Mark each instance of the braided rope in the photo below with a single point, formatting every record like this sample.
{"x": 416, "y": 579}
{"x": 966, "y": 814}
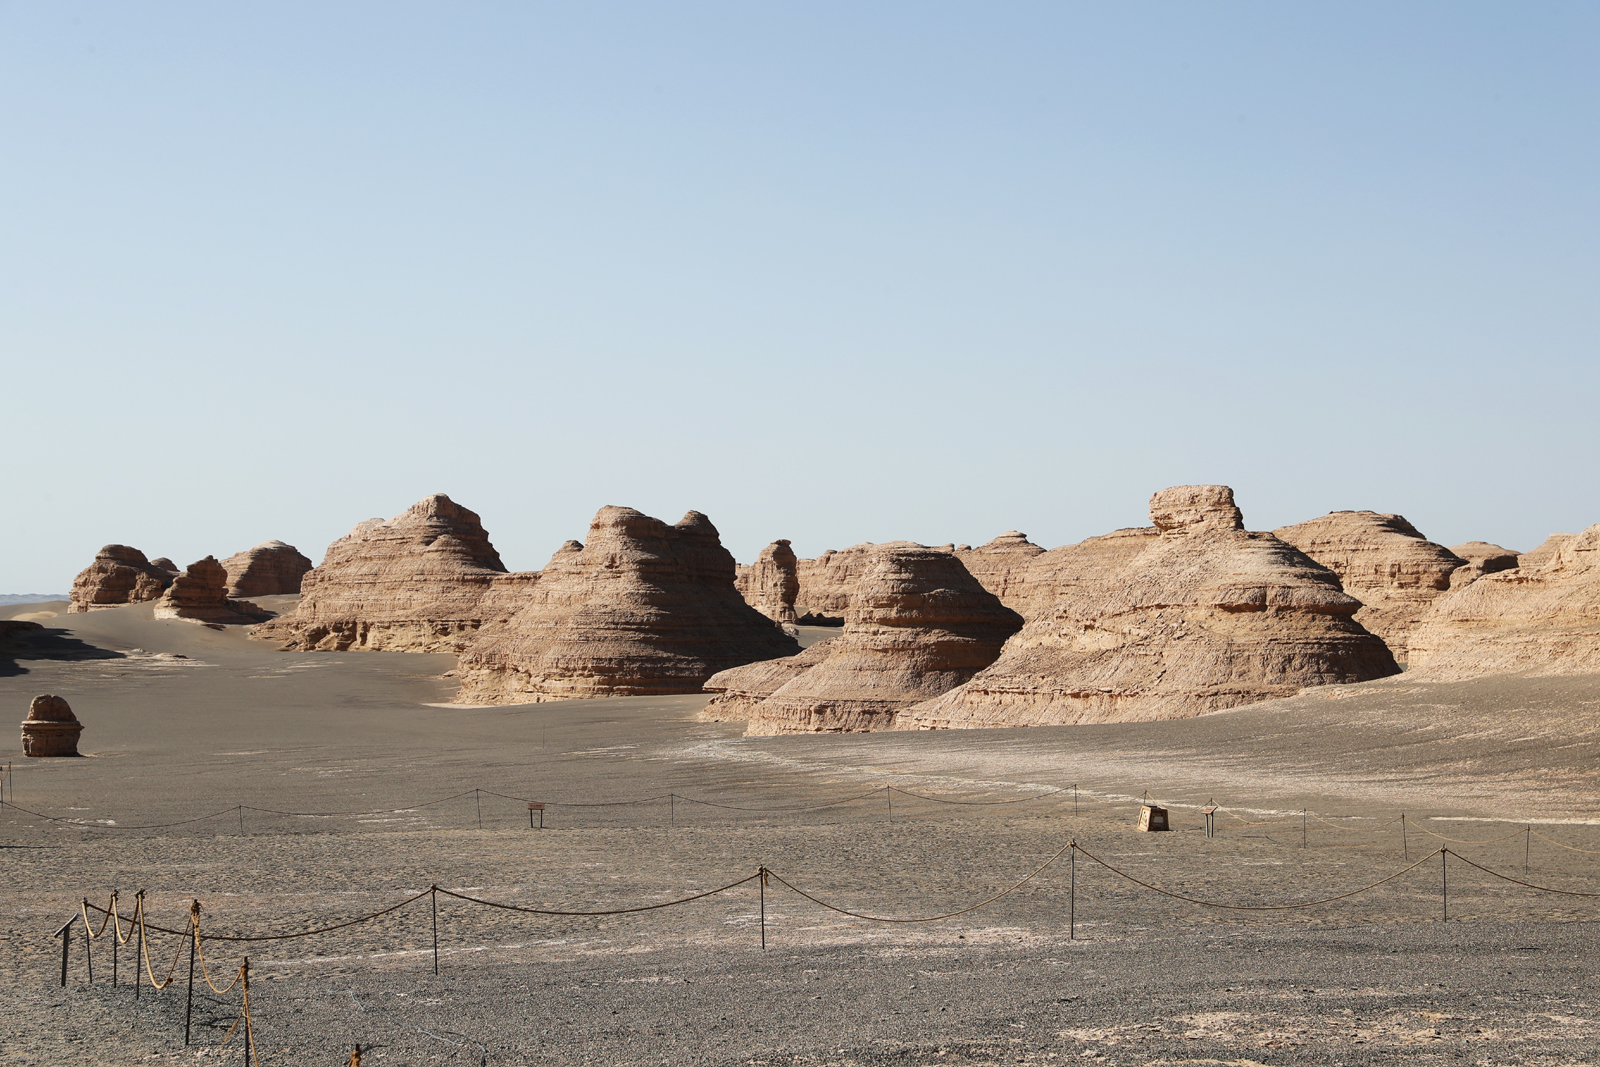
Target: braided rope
{"x": 1518, "y": 881}
{"x": 144, "y": 949}
{"x": 1463, "y": 841}
{"x": 199, "y": 946}
{"x": 1558, "y": 844}
{"x": 612, "y": 911}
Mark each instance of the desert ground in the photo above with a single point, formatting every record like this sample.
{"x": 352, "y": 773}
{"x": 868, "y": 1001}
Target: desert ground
{"x": 215, "y": 767}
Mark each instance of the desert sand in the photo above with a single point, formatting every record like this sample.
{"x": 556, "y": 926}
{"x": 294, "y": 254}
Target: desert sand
{"x": 183, "y": 721}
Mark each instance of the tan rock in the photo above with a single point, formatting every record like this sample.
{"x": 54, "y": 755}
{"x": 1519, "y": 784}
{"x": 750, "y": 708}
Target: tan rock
{"x": 1545, "y": 553}
{"x": 1205, "y": 617}
{"x": 1382, "y": 561}
{"x": 1002, "y": 566}
{"x": 50, "y": 728}
{"x": 200, "y": 594}
{"x": 826, "y": 583}
{"x": 1542, "y": 621}
{"x": 119, "y": 575}
{"x": 919, "y": 624}
{"x": 1485, "y": 558}
{"x": 271, "y": 568}
{"x": 643, "y": 608}
{"x": 771, "y": 583}
{"x": 423, "y": 581}
{"x": 1063, "y": 572}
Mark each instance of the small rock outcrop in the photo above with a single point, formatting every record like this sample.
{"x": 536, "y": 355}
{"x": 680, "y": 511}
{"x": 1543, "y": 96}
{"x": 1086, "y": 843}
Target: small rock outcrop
{"x": 50, "y": 728}
{"x": 1207, "y": 616}
{"x": 423, "y": 581}
{"x": 827, "y": 582}
{"x": 1002, "y": 566}
{"x": 1485, "y": 558}
{"x": 919, "y": 624}
{"x": 200, "y": 594}
{"x": 1541, "y": 621}
{"x": 771, "y": 583}
{"x": 119, "y": 575}
{"x": 1382, "y": 561}
{"x": 271, "y": 568}
{"x": 641, "y": 609}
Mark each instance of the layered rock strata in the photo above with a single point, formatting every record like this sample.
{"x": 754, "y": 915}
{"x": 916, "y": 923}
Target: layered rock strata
{"x": 1382, "y": 561}
{"x": 1061, "y": 572}
{"x": 1002, "y": 566}
{"x": 51, "y": 729}
{"x": 642, "y": 608}
{"x": 771, "y": 583}
{"x": 1543, "y": 620}
{"x": 919, "y": 624}
{"x": 119, "y": 575}
{"x": 1206, "y": 617}
{"x": 423, "y": 581}
{"x": 1485, "y": 558}
{"x": 1546, "y": 552}
{"x": 271, "y": 568}
{"x": 200, "y": 594}
{"x": 827, "y": 582}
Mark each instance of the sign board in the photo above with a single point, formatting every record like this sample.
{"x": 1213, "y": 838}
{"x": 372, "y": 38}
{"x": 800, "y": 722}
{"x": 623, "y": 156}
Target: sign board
{"x": 1152, "y": 817}
{"x": 534, "y": 805}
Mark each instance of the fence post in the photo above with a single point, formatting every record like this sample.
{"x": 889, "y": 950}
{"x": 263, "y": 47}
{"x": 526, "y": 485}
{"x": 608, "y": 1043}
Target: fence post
{"x": 672, "y": 810}
{"x": 763, "y": 883}
{"x": 139, "y": 953}
{"x": 194, "y": 939}
{"x": 65, "y": 934}
{"x": 888, "y": 799}
{"x": 116, "y": 932}
{"x": 1072, "y": 897}
{"x": 249, "y": 1037}
{"x": 88, "y": 943}
{"x": 1527, "y": 848}
{"x": 1405, "y": 844}
{"x": 434, "y": 891}
{"x": 1302, "y": 827}
{"x": 1444, "y": 882}
{"x": 241, "y": 820}
{"x": 478, "y": 796}
{"x": 1074, "y": 800}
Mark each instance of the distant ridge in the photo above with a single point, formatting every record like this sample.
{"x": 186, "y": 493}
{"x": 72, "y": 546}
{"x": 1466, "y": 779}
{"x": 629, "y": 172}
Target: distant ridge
{"x": 30, "y": 598}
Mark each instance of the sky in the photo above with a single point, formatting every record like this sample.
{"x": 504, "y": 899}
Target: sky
{"x": 832, "y": 272}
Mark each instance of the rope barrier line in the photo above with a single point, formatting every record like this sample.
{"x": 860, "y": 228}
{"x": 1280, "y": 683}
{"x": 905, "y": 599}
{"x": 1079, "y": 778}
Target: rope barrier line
{"x": 299, "y": 933}
{"x": 611, "y": 911}
{"x": 779, "y": 811}
{"x": 1463, "y": 841}
{"x": 117, "y": 826}
{"x": 353, "y": 814}
{"x": 1364, "y": 829}
{"x": 1256, "y": 907}
{"x": 144, "y": 949}
{"x": 939, "y": 800}
{"x": 929, "y": 918}
{"x": 1558, "y": 844}
{"x": 1518, "y": 881}
{"x": 199, "y": 946}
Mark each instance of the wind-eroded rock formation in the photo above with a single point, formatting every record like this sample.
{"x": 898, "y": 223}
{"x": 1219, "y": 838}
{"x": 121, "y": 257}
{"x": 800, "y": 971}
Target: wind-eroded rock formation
{"x": 827, "y": 582}
{"x": 50, "y": 728}
{"x": 771, "y": 583}
{"x": 423, "y": 581}
{"x": 1207, "y": 616}
{"x": 1539, "y": 557}
{"x": 271, "y": 568}
{"x": 1542, "y": 620}
{"x": 119, "y": 575}
{"x": 918, "y": 624}
{"x": 1485, "y": 558}
{"x": 1383, "y": 562}
{"x": 643, "y": 608}
{"x": 200, "y": 594}
{"x": 1002, "y": 566}
{"x": 1061, "y": 572}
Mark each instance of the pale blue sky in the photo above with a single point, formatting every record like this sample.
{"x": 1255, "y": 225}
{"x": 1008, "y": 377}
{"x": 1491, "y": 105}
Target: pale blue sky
{"x": 831, "y": 272}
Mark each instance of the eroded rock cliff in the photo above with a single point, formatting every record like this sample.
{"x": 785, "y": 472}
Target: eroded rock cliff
{"x": 119, "y": 575}
{"x": 271, "y": 568}
{"x": 771, "y": 583}
{"x": 200, "y": 594}
{"x": 1002, "y": 566}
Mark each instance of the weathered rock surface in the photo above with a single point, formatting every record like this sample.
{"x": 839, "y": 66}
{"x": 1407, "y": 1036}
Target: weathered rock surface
{"x": 771, "y": 583}
{"x": 1486, "y": 558}
{"x": 1382, "y": 561}
{"x": 1541, "y": 556}
{"x": 1061, "y": 572}
{"x": 271, "y": 568}
{"x": 827, "y": 582}
{"x": 119, "y": 575}
{"x": 1207, "y": 616}
{"x": 1002, "y": 566}
{"x": 50, "y": 728}
{"x": 643, "y": 608}
{"x": 423, "y": 581}
{"x": 919, "y": 624}
{"x": 1543, "y": 620}
{"x": 200, "y": 594}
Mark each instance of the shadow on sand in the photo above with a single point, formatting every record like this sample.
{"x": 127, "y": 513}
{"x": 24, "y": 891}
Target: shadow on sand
{"x": 30, "y": 640}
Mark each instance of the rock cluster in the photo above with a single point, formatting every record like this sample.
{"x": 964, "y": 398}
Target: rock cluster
{"x": 1207, "y": 616}
{"x": 1542, "y": 620}
{"x": 642, "y": 608}
{"x": 1002, "y": 566}
{"x": 918, "y": 625}
{"x": 271, "y": 568}
{"x": 826, "y": 583}
{"x": 1382, "y": 561}
{"x": 50, "y": 728}
{"x": 771, "y": 583}
{"x": 423, "y": 581}
{"x": 119, "y": 575}
{"x": 200, "y": 594}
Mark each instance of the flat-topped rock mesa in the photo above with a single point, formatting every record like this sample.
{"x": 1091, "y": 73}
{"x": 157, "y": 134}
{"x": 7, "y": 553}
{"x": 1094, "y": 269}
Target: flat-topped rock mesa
{"x": 919, "y": 624}
{"x": 119, "y": 575}
{"x": 423, "y": 581}
{"x": 1382, "y": 561}
{"x": 1002, "y": 566}
{"x": 1484, "y": 558}
{"x": 1546, "y": 552}
{"x": 200, "y": 594}
{"x": 827, "y": 582}
{"x": 271, "y": 568}
{"x": 641, "y": 609}
{"x": 1540, "y": 621}
{"x": 1206, "y": 617}
{"x": 771, "y": 583}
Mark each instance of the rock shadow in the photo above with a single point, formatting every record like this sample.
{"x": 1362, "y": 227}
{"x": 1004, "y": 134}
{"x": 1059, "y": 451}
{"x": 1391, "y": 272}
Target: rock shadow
{"x": 30, "y": 640}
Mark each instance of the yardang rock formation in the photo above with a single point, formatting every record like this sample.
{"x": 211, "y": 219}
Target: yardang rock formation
{"x": 1002, "y": 566}
{"x": 1382, "y": 561}
{"x": 1543, "y": 620}
{"x": 827, "y": 582}
{"x": 423, "y": 581}
{"x": 271, "y": 568}
{"x": 200, "y": 594}
{"x": 642, "y": 608}
{"x": 919, "y": 624}
{"x": 1206, "y": 617}
{"x": 771, "y": 583}
{"x": 119, "y": 575}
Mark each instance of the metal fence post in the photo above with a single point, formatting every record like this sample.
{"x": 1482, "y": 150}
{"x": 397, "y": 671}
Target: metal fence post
{"x": 434, "y": 891}
{"x": 65, "y": 934}
{"x": 194, "y": 939}
{"x": 1072, "y": 897}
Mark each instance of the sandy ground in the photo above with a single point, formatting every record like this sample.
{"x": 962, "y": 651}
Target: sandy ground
{"x": 184, "y": 722}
